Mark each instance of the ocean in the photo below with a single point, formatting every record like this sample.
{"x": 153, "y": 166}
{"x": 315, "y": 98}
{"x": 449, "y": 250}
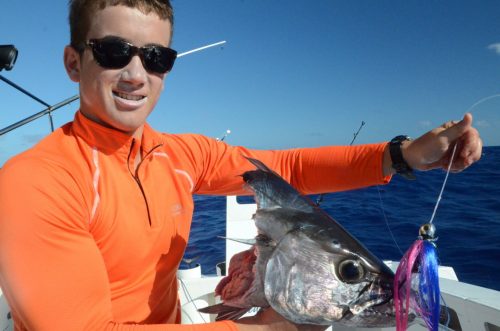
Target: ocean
{"x": 467, "y": 220}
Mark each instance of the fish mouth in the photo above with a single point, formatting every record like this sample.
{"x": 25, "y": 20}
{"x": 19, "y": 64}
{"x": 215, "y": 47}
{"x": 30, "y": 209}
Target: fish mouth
{"x": 381, "y": 314}
{"x": 378, "y": 306}
{"x": 374, "y": 307}
{"x": 375, "y": 314}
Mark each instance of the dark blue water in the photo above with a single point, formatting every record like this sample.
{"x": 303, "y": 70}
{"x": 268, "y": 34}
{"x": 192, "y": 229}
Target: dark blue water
{"x": 467, "y": 221}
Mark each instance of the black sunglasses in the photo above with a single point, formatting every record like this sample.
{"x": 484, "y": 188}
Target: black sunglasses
{"x": 115, "y": 53}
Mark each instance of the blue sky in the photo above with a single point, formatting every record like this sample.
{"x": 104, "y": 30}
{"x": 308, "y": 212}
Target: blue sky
{"x": 292, "y": 74}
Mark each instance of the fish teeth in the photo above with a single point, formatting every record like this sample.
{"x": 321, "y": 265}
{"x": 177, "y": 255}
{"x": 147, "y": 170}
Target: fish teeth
{"x": 372, "y": 312}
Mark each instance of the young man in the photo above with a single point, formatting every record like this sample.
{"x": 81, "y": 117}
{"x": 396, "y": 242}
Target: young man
{"x": 94, "y": 219}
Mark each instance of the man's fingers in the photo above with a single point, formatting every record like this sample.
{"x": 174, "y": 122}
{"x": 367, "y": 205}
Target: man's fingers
{"x": 468, "y": 151}
{"x": 454, "y": 130}
{"x": 473, "y": 144}
{"x": 471, "y": 147}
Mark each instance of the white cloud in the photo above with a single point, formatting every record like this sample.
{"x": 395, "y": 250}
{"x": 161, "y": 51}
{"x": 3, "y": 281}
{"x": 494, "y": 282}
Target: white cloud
{"x": 482, "y": 123}
{"x": 425, "y": 124}
{"x": 495, "y": 47}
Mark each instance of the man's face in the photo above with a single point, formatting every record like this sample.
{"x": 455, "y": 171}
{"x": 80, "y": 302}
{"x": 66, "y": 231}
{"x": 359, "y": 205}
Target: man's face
{"x": 122, "y": 98}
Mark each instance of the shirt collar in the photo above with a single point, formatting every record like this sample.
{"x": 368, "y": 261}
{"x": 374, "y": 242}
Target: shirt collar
{"x": 110, "y": 140}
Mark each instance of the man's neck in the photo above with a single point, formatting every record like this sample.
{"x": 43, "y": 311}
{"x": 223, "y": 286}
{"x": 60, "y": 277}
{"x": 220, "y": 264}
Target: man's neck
{"x": 136, "y": 134}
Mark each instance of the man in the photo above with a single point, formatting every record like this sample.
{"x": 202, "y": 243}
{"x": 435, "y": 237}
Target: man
{"x": 94, "y": 219}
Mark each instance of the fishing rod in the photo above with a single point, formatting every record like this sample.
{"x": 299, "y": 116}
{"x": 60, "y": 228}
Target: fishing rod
{"x": 201, "y": 48}
{"x": 319, "y": 200}
{"x": 357, "y": 132}
{"x": 228, "y": 132}
{"x": 9, "y": 63}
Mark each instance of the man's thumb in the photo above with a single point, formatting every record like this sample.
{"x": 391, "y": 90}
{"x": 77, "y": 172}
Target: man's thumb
{"x": 457, "y": 130}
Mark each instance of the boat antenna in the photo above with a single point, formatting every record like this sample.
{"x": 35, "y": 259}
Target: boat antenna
{"x": 8, "y": 56}
{"x": 319, "y": 200}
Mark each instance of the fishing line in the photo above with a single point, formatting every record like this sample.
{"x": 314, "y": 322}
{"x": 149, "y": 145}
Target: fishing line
{"x": 190, "y": 299}
{"x": 387, "y": 221}
{"x": 444, "y": 183}
{"x": 481, "y": 101}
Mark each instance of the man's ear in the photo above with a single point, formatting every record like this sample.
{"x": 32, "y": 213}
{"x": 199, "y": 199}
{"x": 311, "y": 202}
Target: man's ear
{"x": 72, "y": 63}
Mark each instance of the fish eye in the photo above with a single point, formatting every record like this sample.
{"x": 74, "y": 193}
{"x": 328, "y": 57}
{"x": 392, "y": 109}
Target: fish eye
{"x": 351, "y": 271}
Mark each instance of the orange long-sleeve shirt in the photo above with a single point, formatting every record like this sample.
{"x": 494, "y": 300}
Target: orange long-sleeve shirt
{"x": 87, "y": 243}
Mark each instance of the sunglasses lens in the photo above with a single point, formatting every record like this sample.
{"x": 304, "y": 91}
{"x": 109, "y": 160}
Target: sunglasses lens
{"x": 113, "y": 54}
{"x": 159, "y": 59}
{"x": 116, "y": 54}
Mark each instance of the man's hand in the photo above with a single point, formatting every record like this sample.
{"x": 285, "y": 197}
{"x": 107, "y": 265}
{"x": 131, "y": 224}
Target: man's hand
{"x": 269, "y": 320}
{"x": 434, "y": 149}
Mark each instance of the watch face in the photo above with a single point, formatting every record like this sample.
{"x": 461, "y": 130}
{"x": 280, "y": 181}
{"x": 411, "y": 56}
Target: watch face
{"x": 399, "y": 139}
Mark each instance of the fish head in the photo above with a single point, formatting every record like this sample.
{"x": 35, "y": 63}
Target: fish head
{"x": 317, "y": 273}
{"x": 313, "y": 270}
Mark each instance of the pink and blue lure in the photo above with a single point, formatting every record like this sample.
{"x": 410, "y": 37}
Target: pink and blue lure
{"x": 416, "y": 283}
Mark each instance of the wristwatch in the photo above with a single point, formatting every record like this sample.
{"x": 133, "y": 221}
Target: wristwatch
{"x": 398, "y": 162}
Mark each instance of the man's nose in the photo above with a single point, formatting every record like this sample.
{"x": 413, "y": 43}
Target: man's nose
{"x": 135, "y": 72}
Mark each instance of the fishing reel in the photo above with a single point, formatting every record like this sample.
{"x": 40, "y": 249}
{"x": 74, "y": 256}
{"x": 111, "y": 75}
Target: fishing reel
{"x": 8, "y": 57}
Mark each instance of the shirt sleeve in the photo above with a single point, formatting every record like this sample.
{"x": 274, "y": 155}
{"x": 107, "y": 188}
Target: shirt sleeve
{"x": 217, "y": 167}
{"x": 51, "y": 271}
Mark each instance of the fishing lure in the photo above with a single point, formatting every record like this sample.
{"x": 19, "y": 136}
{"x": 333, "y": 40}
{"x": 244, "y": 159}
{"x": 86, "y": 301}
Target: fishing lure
{"x": 416, "y": 283}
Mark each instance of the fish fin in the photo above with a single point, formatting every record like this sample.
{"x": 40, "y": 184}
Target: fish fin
{"x": 224, "y": 312}
{"x": 214, "y": 309}
{"x": 272, "y": 191}
{"x": 241, "y": 241}
{"x": 260, "y": 165}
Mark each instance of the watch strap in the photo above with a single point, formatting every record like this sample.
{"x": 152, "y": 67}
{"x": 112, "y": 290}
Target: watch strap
{"x": 398, "y": 162}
